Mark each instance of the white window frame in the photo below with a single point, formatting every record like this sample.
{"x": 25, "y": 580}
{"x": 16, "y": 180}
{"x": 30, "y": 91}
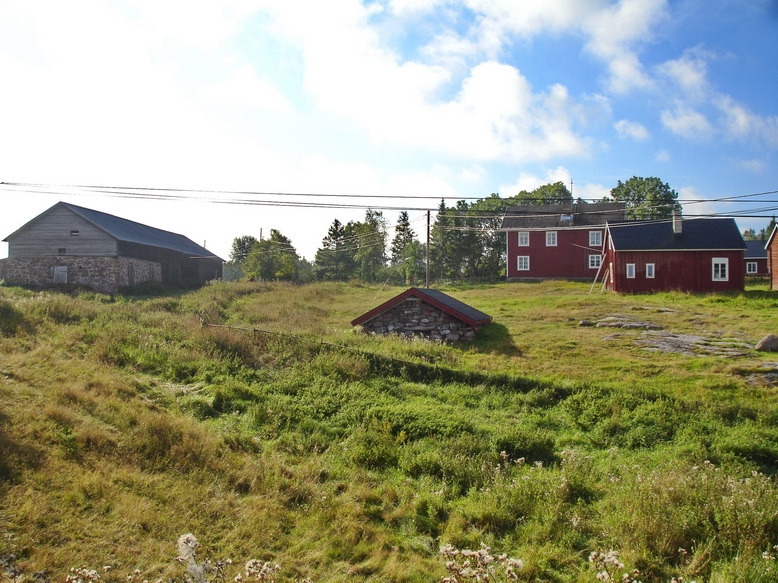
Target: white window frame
{"x": 595, "y": 261}
{"x": 595, "y": 238}
{"x": 551, "y": 238}
{"x": 522, "y": 263}
{"x": 717, "y": 263}
{"x": 630, "y": 273}
{"x": 751, "y": 268}
{"x": 650, "y": 270}
{"x": 523, "y": 238}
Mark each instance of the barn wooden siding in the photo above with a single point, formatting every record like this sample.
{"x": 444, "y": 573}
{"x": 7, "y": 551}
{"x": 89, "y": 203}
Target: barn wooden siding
{"x": 61, "y": 229}
{"x": 772, "y": 258}
{"x": 674, "y": 270}
{"x": 569, "y": 259}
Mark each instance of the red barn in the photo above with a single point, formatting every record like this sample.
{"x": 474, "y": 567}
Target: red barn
{"x": 696, "y": 255}
{"x": 561, "y": 241}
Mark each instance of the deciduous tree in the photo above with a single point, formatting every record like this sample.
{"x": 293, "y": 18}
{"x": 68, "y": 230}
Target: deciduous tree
{"x": 646, "y": 198}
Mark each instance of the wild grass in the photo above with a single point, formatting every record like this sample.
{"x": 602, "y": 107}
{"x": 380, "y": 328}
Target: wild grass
{"x": 124, "y": 423}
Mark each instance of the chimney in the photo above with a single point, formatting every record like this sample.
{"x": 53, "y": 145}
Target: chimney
{"x": 677, "y": 223}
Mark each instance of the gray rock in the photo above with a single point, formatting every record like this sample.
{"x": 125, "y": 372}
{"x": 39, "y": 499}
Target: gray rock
{"x": 768, "y": 344}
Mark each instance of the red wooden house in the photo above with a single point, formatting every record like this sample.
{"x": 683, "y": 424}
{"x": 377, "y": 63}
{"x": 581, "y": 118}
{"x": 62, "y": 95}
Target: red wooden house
{"x": 557, "y": 241}
{"x": 772, "y": 258}
{"x": 756, "y": 259}
{"x": 697, "y": 255}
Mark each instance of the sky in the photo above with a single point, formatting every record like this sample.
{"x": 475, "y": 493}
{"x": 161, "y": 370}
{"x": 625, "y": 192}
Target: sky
{"x": 244, "y": 109}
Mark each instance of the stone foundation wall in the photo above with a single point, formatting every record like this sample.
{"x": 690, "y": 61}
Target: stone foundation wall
{"x": 414, "y": 317}
{"x": 103, "y": 274}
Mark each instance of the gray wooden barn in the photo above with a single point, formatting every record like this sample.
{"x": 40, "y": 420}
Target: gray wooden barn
{"x": 69, "y": 244}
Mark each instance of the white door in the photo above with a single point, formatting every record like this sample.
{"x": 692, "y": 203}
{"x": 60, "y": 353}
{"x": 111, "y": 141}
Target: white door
{"x": 60, "y": 274}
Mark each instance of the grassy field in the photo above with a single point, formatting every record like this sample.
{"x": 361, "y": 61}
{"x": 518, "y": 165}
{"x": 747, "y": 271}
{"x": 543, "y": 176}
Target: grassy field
{"x": 578, "y": 422}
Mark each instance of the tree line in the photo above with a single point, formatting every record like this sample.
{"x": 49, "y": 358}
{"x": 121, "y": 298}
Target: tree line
{"x": 465, "y": 241}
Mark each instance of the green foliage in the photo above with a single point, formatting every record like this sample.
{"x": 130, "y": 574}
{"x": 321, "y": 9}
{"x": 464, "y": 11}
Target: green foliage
{"x": 556, "y": 193}
{"x": 646, "y": 198}
{"x": 274, "y": 258}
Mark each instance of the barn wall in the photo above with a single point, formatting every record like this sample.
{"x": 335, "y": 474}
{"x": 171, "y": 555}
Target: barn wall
{"x": 103, "y": 274}
{"x": 772, "y": 262}
{"x": 674, "y": 270}
{"x": 60, "y": 232}
{"x": 177, "y": 268}
{"x": 569, "y": 259}
{"x": 414, "y": 317}
{"x": 761, "y": 266}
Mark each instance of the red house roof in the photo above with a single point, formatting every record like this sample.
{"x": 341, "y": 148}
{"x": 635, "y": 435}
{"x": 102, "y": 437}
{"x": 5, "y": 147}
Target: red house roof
{"x": 437, "y": 298}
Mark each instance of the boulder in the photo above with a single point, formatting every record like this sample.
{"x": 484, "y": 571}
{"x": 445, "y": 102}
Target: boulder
{"x": 768, "y": 344}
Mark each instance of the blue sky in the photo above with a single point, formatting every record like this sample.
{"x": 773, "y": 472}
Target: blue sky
{"x": 389, "y": 98}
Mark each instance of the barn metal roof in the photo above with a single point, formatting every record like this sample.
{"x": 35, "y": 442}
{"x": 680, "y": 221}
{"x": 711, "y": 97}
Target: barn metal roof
{"x": 696, "y": 235}
{"x": 554, "y": 216}
{"x": 132, "y": 232}
{"x": 437, "y": 298}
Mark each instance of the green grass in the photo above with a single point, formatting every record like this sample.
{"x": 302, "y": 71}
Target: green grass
{"x": 124, "y": 424}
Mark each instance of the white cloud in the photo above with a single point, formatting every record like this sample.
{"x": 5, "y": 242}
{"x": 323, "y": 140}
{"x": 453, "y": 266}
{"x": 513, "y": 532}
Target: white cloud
{"x": 243, "y": 88}
{"x": 689, "y": 72}
{"x": 632, "y": 130}
{"x": 695, "y": 203}
{"x": 591, "y": 191}
{"x": 495, "y": 115}
{"x": 740, "y": 123}
{"x": 663, "y": 156}
{"x": 613, "y": 32}
{"x": 753, "y": 166}
{"x": 529, "y": 182}
{"x": 687, "y": 122}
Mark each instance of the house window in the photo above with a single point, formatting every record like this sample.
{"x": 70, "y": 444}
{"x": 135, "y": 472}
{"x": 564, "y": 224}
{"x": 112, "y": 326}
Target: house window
{"x": 550, "y": 238}
{"x": 630, "y": 271}
{"x": 522, "y": 263}
{"x": 650, "y": 270}
{"x": 720, "y": 269}
{"x": 595, "y": 238}
{"x": 61, "y": 251}
{"x": 523, "y": 238}
{"x": 595, "y": 261}
{"x": 74, "y": 233}
{"x": 751, "y": 267}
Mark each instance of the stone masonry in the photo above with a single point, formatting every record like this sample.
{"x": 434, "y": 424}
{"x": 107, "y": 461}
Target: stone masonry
{"x": 103, "y": 274}
{"x": 414, "y": 317}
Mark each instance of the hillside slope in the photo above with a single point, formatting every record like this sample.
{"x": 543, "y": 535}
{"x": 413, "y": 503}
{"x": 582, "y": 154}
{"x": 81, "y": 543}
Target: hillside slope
{"x": 124, "y": 424}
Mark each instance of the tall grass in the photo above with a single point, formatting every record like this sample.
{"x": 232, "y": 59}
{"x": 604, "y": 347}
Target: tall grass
{"x": 123, "y": 424}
